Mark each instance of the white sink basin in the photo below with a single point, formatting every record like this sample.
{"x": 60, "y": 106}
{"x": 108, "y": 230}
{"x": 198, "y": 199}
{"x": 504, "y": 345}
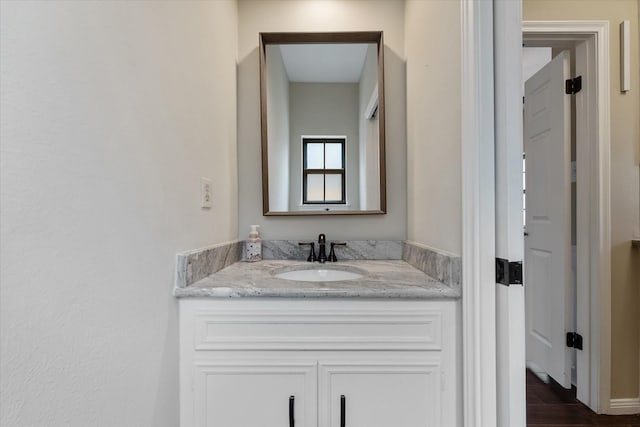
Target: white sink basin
{"x": 318, "y": 275}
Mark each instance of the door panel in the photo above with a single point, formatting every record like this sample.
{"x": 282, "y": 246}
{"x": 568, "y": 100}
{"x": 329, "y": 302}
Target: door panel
{"x": 547, "y": 129}
{"x": 539, "y": 265}
{"x": 381, "y": 394}
{"x": 255, "y": 394}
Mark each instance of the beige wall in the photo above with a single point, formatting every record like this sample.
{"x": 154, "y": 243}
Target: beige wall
{"x": 110, "y": 114}
{"x": 433, "y": 124}
{"x": 323, "y": 109}
{"x": 625, "y": 181}
{"x": 346, "y": 15}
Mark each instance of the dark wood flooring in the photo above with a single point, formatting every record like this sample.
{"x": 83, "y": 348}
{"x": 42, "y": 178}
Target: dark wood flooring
{"x": 550, "y": 405}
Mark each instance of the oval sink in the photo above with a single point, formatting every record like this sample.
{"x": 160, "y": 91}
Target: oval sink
{"x": 318, "y": 275}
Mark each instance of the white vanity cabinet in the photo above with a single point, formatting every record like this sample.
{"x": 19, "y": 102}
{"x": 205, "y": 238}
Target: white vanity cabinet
{"x": 380, "y": 394}
{"x": 323, "y": 362}
{"x": 255, "y": 392}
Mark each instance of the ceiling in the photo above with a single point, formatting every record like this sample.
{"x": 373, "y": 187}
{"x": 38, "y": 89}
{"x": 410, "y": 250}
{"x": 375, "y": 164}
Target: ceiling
{"x": 324, "y": 63}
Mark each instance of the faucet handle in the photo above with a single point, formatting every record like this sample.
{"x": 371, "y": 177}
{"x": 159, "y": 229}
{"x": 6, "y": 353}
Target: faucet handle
{"x": 332, "y": 252}
{"x": 312, "y": 253}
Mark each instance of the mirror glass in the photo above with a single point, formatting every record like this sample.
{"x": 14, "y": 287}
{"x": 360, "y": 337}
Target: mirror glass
{"x": 322, "y": 105}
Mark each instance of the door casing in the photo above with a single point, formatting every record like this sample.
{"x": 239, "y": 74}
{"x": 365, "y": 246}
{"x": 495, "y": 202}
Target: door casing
{"x": 479, "y": 403}
{"x": 479, "y": 329}
{"x": 593, "y": 266}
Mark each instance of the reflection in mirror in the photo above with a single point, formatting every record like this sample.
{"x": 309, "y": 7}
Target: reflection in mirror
{"x": 322, "y": 103}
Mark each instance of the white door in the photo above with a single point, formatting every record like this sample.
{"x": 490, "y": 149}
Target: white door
{"x": 255, "y": 394}
{"x": 381, "y": 394}
{"x": 547, "y": 131}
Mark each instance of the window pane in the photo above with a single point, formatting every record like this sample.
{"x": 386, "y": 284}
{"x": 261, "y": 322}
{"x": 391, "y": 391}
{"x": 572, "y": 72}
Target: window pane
{"x": 334, "y": 186}
{"x": 315, "y": 188}
{"x": 315, "y": 156}
{"x": 333, "y": 156}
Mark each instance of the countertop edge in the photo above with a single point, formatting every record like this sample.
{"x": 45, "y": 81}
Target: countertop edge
{"x": 302, "y": 294}
{"x": 378, "y": 287}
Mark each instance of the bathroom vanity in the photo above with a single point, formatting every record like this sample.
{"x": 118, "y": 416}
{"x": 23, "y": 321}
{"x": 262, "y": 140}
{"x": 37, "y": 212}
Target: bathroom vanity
{"x": 370, "y": 341}
{"x": 381, "y": 350}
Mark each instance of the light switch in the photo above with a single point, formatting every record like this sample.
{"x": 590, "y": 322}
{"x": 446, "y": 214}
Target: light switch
{"x": 206, "y": 192}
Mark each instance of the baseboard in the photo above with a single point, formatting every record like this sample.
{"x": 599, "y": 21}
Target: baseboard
{"x": 624, "y": 406}
{"x": 538, "y": 372}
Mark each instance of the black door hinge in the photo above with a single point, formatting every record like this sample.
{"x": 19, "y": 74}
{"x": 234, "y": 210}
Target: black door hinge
{"x": 574, "y": 340}
{"x": 573, "y": 86}
{"x": 508, "y": 273}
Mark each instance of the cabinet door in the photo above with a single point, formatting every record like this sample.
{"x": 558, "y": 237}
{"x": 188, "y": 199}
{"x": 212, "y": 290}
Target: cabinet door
{"x": 255, "y": 394}
{"x": 380, "y": 394}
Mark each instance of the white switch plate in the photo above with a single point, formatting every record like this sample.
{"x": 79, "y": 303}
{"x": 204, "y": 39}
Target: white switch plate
{"x": 206, "y": 192}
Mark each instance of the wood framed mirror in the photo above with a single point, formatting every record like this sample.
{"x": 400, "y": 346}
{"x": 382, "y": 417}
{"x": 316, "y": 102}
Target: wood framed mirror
{"x": 323, "y": 123}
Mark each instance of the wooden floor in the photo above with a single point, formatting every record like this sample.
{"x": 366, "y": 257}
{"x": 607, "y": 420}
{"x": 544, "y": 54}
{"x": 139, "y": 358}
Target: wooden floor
{"x": 550, "y": 405}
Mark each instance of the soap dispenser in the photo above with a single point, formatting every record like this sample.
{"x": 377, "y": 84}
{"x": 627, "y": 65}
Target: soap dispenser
{"x": 253, "y": 248}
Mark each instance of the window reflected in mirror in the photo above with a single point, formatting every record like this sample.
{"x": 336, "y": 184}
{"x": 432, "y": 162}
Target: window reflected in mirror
{"x": 323, "y": 171}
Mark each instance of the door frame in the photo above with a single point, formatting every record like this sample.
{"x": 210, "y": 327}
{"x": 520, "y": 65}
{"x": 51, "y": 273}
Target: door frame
{"x": 478, "y": 215}
{"x": 478, "y": 198}
{"x": 593, "y": 264}
{"x": 510, "y": 309}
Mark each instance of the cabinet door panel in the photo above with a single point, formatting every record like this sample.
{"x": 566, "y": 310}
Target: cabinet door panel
{"x": 382, "y": 394}
{"x": 254, "y": 394}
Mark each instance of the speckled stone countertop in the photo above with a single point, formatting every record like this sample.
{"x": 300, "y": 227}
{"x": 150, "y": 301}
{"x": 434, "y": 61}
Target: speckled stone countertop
{"x": 381, "y": 279}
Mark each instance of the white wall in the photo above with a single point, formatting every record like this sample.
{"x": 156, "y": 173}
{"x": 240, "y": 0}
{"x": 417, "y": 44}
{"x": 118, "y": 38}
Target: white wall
{"x": 278, "y": 129}
{"x": 433, "y": 124}
{"x": 110, "y": 113}
{"x": 346, "y": 15}
{"x": 324, "y": 109}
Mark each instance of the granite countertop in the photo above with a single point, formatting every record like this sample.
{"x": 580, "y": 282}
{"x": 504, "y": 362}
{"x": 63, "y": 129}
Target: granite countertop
{"x": 381, "y": 279}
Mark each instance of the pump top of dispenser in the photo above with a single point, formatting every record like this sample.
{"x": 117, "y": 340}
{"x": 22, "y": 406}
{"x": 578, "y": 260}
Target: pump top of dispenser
{"x": 254, "y": 234}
